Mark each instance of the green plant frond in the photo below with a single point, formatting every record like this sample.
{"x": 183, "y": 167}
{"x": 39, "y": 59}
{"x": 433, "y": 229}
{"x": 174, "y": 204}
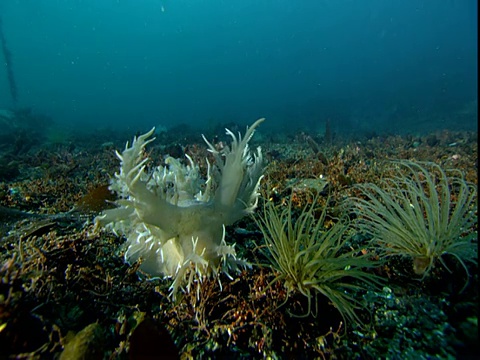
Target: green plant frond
{"x": 422, "y": 211}
{"x": 311, "y": 259}
{"x": 463, "y": 250}
{"x": 333, "y": 276}
{"x": 463, "y": 215}
{"x": 386, "y": 226}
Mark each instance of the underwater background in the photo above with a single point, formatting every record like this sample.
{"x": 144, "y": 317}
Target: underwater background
{"x": 389, "y": 66}
{"x": 330, "y": 210}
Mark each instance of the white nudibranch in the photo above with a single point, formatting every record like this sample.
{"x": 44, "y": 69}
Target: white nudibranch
{"x": 171, "y": 222}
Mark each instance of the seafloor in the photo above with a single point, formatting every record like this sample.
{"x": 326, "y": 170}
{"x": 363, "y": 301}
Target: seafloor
{"x": 66, "y": 291}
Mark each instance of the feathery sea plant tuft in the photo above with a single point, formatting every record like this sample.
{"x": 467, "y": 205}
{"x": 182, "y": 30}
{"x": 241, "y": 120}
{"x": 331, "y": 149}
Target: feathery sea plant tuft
{"x": 310, "y": 259}
{"x": 424, "y": 213}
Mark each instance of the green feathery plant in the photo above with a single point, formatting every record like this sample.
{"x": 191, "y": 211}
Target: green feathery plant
{"x": 421, "y": 213}
{"x": 310, "y": 259}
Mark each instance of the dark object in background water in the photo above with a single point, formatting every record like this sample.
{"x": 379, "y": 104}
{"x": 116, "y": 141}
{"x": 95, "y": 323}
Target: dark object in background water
{"x": 313, "y": 144}
{"x": 316, "y": 149}
{"x": 8, "y": 65}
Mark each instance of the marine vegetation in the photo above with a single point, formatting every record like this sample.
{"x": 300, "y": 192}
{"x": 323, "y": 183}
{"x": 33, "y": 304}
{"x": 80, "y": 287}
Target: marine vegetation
{"x": 424, "y": 213}
{"x": 173, "y": 220}
{"x": 311, "y": 259}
